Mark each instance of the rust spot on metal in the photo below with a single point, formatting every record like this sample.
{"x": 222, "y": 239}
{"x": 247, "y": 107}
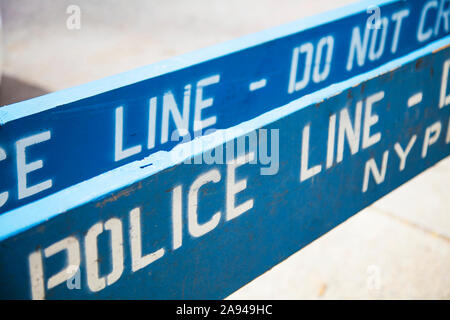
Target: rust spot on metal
{"x": 123, "y": 193}
{"x": 419, "y": 62}
{"x": 170, "y": 169}
{"x": 442, "y": 48}
{"x": 41, "y": 229}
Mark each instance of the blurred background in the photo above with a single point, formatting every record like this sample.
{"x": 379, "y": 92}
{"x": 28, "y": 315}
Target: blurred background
{"x": 397, "y": 248}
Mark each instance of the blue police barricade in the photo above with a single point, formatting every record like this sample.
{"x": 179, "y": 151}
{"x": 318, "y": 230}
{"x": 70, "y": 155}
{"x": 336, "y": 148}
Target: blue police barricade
{"x": 207, "y": 217}
{"x": 61, "y": 139}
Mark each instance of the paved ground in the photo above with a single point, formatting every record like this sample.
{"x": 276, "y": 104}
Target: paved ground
{"x": 397, "y": 248}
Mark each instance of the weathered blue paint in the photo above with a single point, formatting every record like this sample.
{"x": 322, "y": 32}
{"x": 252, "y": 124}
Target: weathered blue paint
{"x": 286, "y": 213}
{"x": 79, "y": 124}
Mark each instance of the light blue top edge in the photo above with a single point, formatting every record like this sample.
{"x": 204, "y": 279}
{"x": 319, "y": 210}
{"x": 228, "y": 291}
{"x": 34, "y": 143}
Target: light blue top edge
{"x": 26, "y": 108}
{"x": 32, "y": 214}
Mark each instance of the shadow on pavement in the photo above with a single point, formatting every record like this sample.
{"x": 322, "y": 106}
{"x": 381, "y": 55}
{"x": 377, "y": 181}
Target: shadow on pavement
{"x": 13, "y": 90}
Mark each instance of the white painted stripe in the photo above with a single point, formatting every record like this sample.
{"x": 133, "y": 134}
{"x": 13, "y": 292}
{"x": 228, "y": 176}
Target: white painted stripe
{"x": 258, "y": 84}
{"x": 415, "y": 99}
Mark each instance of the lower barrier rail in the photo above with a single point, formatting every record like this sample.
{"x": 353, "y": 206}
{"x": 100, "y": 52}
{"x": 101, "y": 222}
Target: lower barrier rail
{"x": 207, "y": 217}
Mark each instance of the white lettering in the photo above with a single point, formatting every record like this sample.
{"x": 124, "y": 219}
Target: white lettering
{"x": 442, "y": 15}
{"x": 96, "y": 283}
{"x": 119, "y": 153}
{"x": 317, "y": 75}
{"x": 330, "y": 142}
{"x": 307, "y": 48}
{"x": 234, "y": 187}
{"x": 170, "y": 107}
{"x": 201, "y": 104}
{"x": 371, "y": 166}
{"x": 305, "y": 172}
{"x": 376, "y": 54}
{"x": 196, "y": 229}
{"x": 359, "y": 47}
{"x": 404, "y": 154}
{"x": 23, "y": 168}
{"x": 137, "y": 260}
{"x": 152, "y": 123}
{"x": 4, "y": 195}
{"x": 421, "y": 34}
{"x": 431, "y": 135}
{"x": 398, "y": 19}
{"x": 351, "y": 132}
{"x": 371, "y": 119}
{"x": 444, "y": 99}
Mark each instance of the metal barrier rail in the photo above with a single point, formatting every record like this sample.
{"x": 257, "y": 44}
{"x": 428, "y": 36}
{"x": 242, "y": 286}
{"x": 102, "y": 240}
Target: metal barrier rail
{"x": 211, "y": 214}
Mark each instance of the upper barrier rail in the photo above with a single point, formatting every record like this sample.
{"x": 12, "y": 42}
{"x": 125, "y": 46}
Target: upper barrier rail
{"x": 61, "y": 139}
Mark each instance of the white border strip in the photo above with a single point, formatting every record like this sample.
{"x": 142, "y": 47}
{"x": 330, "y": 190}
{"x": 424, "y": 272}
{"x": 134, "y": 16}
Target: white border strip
{"x": 49, "y": 101}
